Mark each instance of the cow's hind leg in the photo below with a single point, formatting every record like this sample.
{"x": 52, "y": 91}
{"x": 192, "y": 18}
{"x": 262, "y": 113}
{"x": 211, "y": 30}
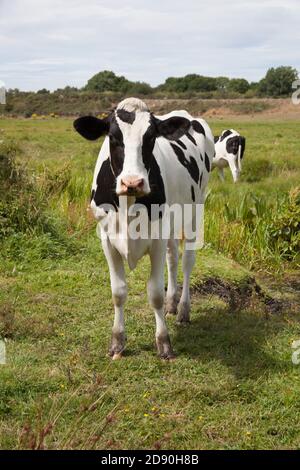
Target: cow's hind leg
{"x": 184, "y": 306}
{"x": 156, "y": 298}
{"x": 119, "y": 294}
{"x": 172, "y": 263}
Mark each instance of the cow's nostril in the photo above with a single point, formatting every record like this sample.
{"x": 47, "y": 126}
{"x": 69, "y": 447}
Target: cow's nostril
{"x": 132, "y": 183}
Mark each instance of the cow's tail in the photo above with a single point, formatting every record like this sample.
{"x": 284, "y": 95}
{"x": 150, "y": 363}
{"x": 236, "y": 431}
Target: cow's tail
{"x": 239, "y": 155}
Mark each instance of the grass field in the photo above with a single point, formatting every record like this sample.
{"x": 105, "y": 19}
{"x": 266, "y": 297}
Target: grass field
{"x": 233, "y": 384}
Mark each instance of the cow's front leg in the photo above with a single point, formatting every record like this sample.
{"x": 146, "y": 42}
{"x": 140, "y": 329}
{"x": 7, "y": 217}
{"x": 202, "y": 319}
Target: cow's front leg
{"x": 156, "y": 298}
{"x": 119, "y": 294}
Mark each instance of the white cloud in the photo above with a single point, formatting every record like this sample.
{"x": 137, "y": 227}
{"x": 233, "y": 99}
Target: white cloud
{"x": 52, "y": 43}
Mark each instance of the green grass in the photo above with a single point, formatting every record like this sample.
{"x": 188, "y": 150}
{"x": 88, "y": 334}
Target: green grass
{"x": 233, "y": 384}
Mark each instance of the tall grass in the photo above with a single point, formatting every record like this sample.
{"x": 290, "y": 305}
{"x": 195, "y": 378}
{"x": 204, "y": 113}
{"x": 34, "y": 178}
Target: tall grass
{"x": 255, "y": 230}
{"x": 29, "y": 229}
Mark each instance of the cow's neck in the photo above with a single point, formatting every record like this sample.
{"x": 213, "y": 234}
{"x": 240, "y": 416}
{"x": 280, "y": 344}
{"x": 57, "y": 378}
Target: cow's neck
{"x": 130, "y": 249}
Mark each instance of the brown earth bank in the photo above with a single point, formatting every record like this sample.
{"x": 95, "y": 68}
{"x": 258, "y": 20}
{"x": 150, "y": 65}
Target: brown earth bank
{"x": 266, "y": 108}
{"x": 228, "y": 108}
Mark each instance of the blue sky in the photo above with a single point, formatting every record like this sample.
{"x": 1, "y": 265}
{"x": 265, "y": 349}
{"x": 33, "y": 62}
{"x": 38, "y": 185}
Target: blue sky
{"x": 54, "y": 43}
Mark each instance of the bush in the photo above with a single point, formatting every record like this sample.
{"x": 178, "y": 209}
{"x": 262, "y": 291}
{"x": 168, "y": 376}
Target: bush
{"x": 250, "y": 107}
{"x": 285, "y": 229}
{"x": 24, "y": 212}
{"x": 258, "y": 170}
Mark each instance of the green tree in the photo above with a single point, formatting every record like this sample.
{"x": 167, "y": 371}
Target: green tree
{"x": 191, "y": 82}
{"x": 43, "y": 91}
{"x": 278, "y": 81}
{"x": 240, "y": 85}
{"x": 140, "y": 88}
{"x": 222, "y": 83}
{"x": 107, "y": 81}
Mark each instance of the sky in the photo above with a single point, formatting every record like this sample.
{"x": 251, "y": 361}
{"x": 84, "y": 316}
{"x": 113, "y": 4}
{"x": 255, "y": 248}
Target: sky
{"x": 54, "y": 43}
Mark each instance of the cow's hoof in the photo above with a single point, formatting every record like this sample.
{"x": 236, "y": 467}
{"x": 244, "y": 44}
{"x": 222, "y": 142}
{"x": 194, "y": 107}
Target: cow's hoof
{"x": 117, "y": 356}
{"x": 164, "y": 348}
{"x": 183, "y": 315}
{"x": 171, "y": 306}
{"x": 169, "y": 357}
{"x": 117, "y": 346}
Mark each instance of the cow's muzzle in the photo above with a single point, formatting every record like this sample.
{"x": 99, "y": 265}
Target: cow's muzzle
{"x": 132, "y": 186}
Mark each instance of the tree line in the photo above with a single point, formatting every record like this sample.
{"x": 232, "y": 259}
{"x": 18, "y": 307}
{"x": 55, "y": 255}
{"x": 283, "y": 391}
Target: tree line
{"x": 277, "y": 82}
{"x": 106, "y": 88}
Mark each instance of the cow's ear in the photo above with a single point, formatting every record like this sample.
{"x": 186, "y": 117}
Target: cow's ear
{"x": 172, "y": 128}
{"x": 90, "y": 127}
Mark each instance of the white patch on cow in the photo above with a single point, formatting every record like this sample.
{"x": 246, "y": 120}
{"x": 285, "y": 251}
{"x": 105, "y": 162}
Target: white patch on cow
{"x": 133, "y": 139}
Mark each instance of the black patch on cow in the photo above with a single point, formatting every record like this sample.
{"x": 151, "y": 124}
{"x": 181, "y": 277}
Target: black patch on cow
{"x": 148, "y": 144}
{"x": 172, "y": 128}
{"x": 90, "y": 127}
{"x": 226, "y": 134}
{"x": 216, "y": 138}
{"x": 197, "y": 126}
{"x": 232, "y": 145}
{"x": 157, "y": 188}
{"x": 116, "y": 147}
{"x": 194, "y": 169}
{"x": 92, "y": 194}
{"x": 182, "y": 145}
{"x": 191, "y": 138}
{"x": 200, "y": 182}
{"x": 207, "y": 163}
{"x": 191, "y": 165}
{"x": 126, "y": 116}
{"x": 106, "y": 186}
{"x": 193, "y": 193}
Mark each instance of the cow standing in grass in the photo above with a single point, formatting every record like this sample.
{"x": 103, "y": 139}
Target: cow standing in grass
{"x": 230, "y": 148}
{"x": 151, "y": 161}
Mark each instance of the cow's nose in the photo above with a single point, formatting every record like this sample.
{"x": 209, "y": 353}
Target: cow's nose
{"x": 132, "y": 183}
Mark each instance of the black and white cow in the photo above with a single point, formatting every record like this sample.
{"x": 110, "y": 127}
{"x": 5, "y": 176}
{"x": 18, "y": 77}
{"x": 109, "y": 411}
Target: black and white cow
{"x": 229, "y": 147}
{"x": 148, "y": 160}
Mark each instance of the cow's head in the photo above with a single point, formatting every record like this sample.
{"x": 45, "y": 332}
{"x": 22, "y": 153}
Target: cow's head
{"x": 132, "y": 131}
